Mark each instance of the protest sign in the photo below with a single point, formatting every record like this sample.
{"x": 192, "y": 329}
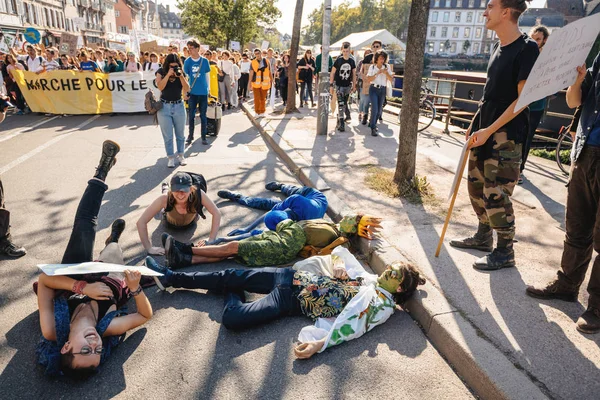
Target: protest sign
{"x": 235, "y": 46}
{"x": 74, "y": 92}
{"x": 148, "y": 46}
{"x": 556, "y": 67}
{"x": 6, "y": 43}
{"x": 68, "y": 44}
{"x": 119, "y": 46}
{"x": 32, "y": 35}
{"x": 265, "y": 45}
{"x": 92, "y": 267}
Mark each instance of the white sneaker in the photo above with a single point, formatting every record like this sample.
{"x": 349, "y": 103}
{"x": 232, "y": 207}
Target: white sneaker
{"x": 171, "y": 163}
{"x": 181, "y": 159}
{"x": 259, "y": 116}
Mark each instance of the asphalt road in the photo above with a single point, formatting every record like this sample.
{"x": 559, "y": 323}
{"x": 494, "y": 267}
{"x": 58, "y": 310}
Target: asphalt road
{"x": 183, "y": 352}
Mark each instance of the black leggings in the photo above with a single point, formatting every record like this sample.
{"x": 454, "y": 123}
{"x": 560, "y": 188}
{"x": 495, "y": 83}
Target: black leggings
{"x": 81, "y": 244}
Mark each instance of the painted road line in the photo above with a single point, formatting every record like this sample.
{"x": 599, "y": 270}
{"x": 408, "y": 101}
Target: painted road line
{"x": 27, "y": 128}
{"x": 41, "y": 148}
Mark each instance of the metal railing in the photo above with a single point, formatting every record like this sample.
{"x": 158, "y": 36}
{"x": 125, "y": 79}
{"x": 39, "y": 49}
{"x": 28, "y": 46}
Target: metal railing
{"x": 444, "y": 95}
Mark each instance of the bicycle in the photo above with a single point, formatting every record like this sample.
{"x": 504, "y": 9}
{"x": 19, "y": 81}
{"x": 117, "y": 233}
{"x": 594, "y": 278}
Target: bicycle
{"x": 427, "y": 110}
{"x": 563, "y": 149}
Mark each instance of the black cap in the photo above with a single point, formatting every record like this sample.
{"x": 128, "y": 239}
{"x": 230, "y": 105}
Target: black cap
{"x": 181, "y": 182}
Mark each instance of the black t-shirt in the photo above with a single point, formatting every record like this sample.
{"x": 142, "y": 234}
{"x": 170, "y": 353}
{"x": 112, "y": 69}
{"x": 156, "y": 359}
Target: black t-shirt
{"x": 343, "y": 71}
{"x": 283, "y": 78}
{"x": 368, "y": 59}
{"x": 306, "y": 74}
{"x": 173, "y": 89}
{"x": 508, "y": 66}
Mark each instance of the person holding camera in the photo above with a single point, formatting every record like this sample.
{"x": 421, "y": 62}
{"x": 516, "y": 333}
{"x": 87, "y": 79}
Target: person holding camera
{"x": 172, "y": 83}
{"x": 378, "y": 76}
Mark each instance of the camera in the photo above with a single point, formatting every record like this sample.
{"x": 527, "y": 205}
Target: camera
{"x": 177, "y": 71}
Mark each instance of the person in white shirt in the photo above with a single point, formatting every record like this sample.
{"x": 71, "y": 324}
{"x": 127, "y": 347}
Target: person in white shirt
{"x": 378, "y": 76}
{"x": 100, "y": 61}
{"x": 51, "y": 62}
{"x": 34, "y": 62}
{"x": 153, "y": 64}
{"x": 234, "y": 87}
{"x": 226, "y": 82}
{"x": 245, "y": 76}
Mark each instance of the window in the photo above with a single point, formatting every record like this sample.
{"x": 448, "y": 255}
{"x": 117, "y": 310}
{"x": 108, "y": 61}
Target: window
{"x": 487, "y": 48}
{"x": 477, "y": 33}
{"x": 469, "y": 17}
{"x": 457, "y": 16}
{"x": 444, "y": 31}
{"x": 459, "y": 3}
{"x": 448, "y": 3}
{"x": 446, "y": 16}
{"x": 471, "y": 3}
{"x": 26, "y": 12}
{"x": 8, "y": 6}
{"x": 432, "y": 31}
{"x": 178, "y": 26}
{"x": 483, "y": 4}
{"x": 455, "y": 32}
{"x": 442, "y": 47}
{"x": 467, "y": 32}
{"x": 122, "y": 29}
{"x": 164, "y": 24}
{"x": 109, "y": 27}
{"x": 480, "y": 18}
{"x": 52, "y": 18}
{"x": 171, "y": 24}
{"x": 434, "y": 16}
{"x": 475, "y": 48}
{"x": 453, "y": 47}
{"x": 437, "y": 3}
{"x": 430, "y": 47}
{"x": 117, "y": 13}
{"x": 489, "y": 34}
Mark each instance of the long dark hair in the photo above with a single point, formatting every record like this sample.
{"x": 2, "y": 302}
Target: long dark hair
{"x": 170, "y": 58}
{"x": 192, "y": 201}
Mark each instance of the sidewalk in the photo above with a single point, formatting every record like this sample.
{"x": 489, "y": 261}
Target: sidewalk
{"x": 503, "y": 343}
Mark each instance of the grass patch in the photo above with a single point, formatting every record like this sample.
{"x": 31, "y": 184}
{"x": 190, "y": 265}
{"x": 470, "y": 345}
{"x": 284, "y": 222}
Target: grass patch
{"x": 416, "y": 191}
{"x": 565, "y": 155}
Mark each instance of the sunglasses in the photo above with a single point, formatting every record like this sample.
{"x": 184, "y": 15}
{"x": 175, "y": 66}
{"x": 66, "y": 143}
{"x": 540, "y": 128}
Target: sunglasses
{"x": 86, "y": 351}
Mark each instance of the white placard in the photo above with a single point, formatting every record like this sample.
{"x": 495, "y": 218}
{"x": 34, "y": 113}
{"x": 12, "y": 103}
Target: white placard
{"x": 92, "y": 268}
{"x": 265, "y": 45}
{"x": 6, "y": 43}
{"x": 556, "y": 67}
{"x": 235, "y": 46}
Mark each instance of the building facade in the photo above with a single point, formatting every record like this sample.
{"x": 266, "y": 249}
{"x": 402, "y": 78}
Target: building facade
{"x": 458, "y": 27}
{"x": 170, "y": 24}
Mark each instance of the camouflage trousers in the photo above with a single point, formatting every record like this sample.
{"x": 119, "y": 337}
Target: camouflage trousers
{"x": 491, "y": 183}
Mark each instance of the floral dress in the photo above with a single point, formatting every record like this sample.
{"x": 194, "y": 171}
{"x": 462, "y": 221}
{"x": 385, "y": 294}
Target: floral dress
{"x": 322, "y": 296}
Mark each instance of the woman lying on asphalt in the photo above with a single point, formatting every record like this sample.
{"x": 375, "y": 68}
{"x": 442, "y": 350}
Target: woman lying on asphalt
{"x": 333, "y": 286}
{"x": 81, "y": 316}
{"x": 281, "y": 244}
{"x": 182, "y": 204}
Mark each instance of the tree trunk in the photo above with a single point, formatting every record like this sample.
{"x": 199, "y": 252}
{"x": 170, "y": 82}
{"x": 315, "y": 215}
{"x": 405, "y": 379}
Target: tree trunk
{"x": 291, "y": 99}
{"x": 415, "y": 52}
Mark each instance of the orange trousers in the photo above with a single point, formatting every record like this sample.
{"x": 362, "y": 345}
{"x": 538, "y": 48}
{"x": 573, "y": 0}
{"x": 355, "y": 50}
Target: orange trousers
{"x": 260, "y": 100}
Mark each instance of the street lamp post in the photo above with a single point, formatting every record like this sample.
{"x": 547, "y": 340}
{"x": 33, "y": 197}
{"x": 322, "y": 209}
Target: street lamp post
{"x": 323, "y": 89}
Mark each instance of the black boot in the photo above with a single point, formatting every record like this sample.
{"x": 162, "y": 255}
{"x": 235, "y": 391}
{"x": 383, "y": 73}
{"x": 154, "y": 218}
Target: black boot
{"x": 364, "y": 119}
{"x": 174, "y": 257}
{"x": 108, "y": 159}
{"x": 273, "y": 186}
{"x": 118, "y": 226}
{"x": 482, "y": 240}
{"x": 8, "y": 248}
{"x": 341, "y": 125}
{"x": 501, "y": 257}
{"x": 189, "y": 140}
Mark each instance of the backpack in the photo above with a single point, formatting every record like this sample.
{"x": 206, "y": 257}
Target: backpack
{"x": 151, "y": 104}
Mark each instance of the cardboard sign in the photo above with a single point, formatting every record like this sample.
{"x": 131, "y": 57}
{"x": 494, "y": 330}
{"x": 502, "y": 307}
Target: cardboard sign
{"x": 68, "y": 44}
{"x": 6, "y": 43}
{"x": 556, "y": 67}
{"x": 148, "y": 46}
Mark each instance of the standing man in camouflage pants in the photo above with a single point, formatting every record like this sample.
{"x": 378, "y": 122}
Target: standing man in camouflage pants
{"x": 500, "y": 131}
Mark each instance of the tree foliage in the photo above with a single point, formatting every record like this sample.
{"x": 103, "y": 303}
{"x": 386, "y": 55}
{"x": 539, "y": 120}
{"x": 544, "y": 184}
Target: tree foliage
{"x": 366, "y": 16}
{"x": 239, "y": 20}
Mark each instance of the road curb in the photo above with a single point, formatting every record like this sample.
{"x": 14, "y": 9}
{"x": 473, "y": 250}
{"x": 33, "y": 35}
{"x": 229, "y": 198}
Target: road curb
{"x": 487, "y": 371}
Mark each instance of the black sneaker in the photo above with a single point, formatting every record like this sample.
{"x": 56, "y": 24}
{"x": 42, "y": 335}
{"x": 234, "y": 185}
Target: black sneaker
{"x": 364, "y": 120}
{"x": 589, "y": 322}
{"x": 341, "y": 126}
{"x": 162, "y": 282}
{"x": 189, "y": 140}
{"x": 229, "y": 195}
{"x": 9, "y": 249}
{"x": 273, "y": 186}
{"x": 499, "y": 258}
{"x": 108, "y": 159}
{"x": 479, "y": 241}
{"x": 373, "y": 131}
{"x": 118, "y": 226}
{"x": 185, "y": 248}
{"x": 204, "y": 141}
{"x": 175, "y": 258}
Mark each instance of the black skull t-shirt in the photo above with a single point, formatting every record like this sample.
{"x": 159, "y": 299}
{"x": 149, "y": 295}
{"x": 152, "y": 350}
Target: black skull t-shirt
{"x": 343, "y": 71}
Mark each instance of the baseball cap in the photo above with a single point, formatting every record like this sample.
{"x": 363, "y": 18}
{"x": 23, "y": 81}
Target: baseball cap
{"x": 181, "y": 182}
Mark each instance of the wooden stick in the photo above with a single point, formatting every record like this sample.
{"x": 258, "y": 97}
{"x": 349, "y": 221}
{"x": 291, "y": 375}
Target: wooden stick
{"x": 451, "y": 207}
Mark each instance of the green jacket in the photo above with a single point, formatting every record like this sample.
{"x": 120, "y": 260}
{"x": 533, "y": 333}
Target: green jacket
{"x": 318, "y": 62}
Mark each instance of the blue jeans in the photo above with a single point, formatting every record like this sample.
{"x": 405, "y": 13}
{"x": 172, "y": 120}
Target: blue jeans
{"x": 171, "y": 118}
{"x": 261, "y": 203}
{"x": 200, "y": 101}
{"x": 276, "y": 283}
{"x": 364, "y": 104}
{"x": 377, "y": 96}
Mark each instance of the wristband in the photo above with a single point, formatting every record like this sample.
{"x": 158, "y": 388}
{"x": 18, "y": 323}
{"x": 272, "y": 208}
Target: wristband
{"x": 137, "y": 291}
{"x": 78, "y": 287}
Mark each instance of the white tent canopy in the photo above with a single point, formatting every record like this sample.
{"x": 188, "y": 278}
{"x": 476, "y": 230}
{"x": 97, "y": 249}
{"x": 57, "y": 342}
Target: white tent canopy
{"x": 364, "y": 39}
